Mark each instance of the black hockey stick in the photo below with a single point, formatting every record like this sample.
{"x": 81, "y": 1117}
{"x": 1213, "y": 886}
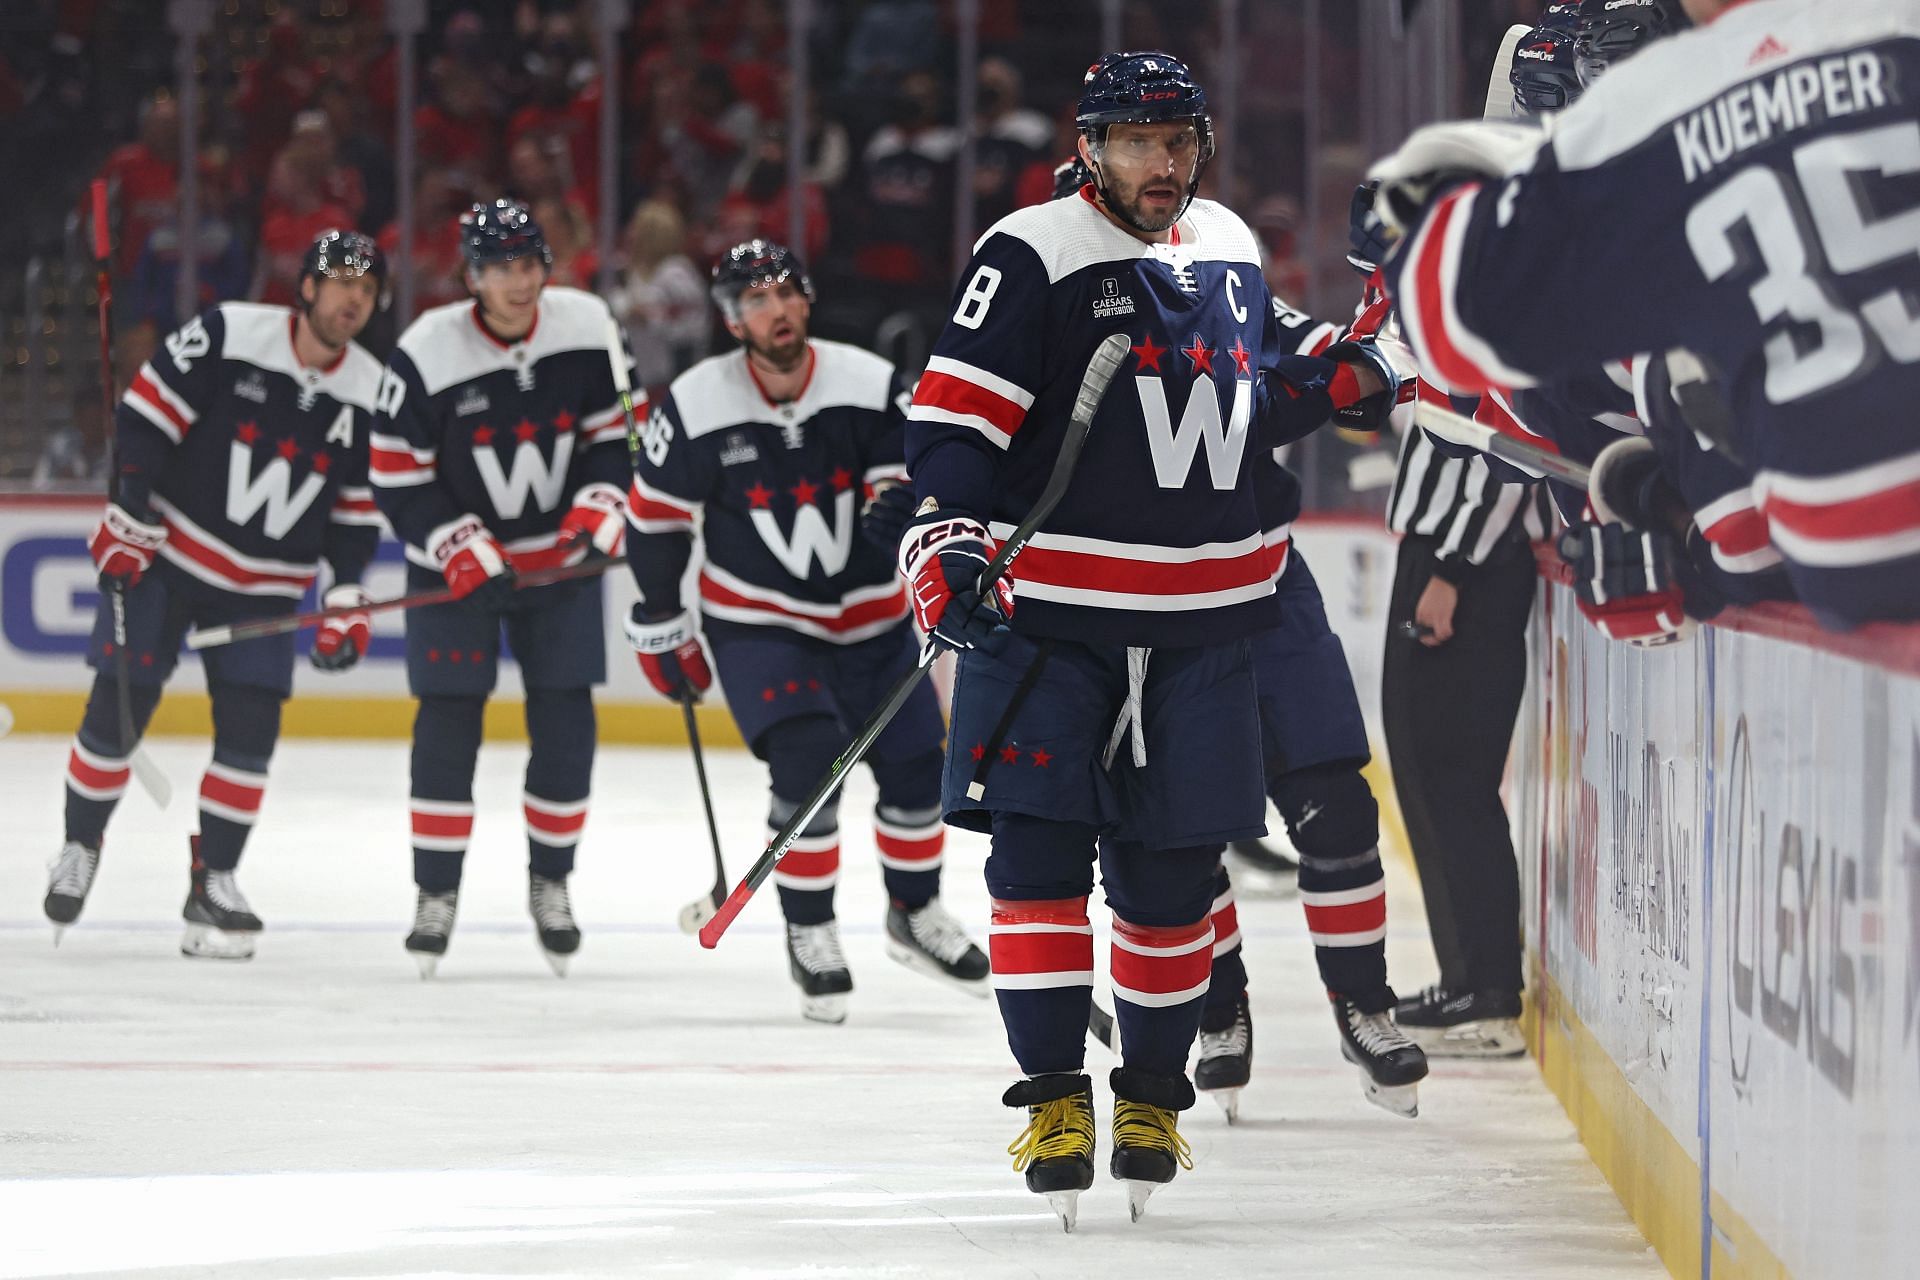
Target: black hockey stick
{"x": 152, "y": 781}
{"x": 1101, "y": 370}
{"x": 210, "y": 637}
{"x": 1457, "y": 428}
{"x": 1103, "y": 1028}
{"x": 698, "y": 912}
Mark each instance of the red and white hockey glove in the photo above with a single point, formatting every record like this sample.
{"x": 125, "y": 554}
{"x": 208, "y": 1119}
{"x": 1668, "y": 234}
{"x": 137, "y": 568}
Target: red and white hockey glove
{"x": 671, "y": 654}
{"x": 942, "y": 556}
{"x": 473, "y": 562}
{"x": 123, "y": 547}
{"x": 597, "y": 522}
{"x": 343, "y": 638}
{"x": 1626, "y": 582}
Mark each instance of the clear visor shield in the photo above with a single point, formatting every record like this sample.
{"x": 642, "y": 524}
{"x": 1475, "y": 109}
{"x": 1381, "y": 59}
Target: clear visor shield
{"x": 1137, "y": 151}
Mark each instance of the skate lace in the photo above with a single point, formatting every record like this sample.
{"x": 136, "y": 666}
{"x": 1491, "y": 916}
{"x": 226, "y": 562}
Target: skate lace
{"x": 225, "y": 894}
{"x": 1376, "y": 1032}
{"x": 939, "y": 933}
{"x": 552, "y": 905}
{"x": 1054, "y": 1129}
{"x": 433, "y": 912}
{"x": 73, "y": 869}
{"x": 1233, "y": 1042}
{"x": 1141, "y": 1124}
{"x": 817, "y": 947}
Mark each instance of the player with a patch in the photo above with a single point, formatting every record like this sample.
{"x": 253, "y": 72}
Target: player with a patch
{"x": 499, "y": 449}
{"x": 772, "y": 449}
{"x": 241, "y": 464}
{"x": 1105, "y": 704}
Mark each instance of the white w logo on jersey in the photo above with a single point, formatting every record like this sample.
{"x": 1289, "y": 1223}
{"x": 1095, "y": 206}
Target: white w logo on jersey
{"x": 247, "y": 493}
{"x": 1173, "y": 448}
{"x": 812, "y": 539}
{"x": 532, "y": 474}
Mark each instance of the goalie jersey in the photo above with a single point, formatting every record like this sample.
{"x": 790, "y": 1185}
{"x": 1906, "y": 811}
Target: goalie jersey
{"x": 507, "y": 431}
{"x": 1159, "y": 539}
{"x": 777, "y": 491}
{"x": 255, "y": 463}
{"x": 1745, "y": 192}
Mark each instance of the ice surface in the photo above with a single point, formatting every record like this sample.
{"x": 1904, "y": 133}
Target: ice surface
{"x": 320, "y": 1111}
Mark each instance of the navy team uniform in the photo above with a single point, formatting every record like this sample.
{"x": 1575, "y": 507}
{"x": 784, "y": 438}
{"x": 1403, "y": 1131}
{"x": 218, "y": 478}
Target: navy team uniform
{"x": 806, "y": 619}
{"x": 1118, "y": 714}
{"x": 514, "y": 434}
{"x": 1808, "y": 343}
{"x": 256, "y": 467}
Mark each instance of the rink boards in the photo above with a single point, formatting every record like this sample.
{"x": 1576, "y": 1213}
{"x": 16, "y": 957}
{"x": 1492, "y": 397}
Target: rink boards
{"x": 1721, "y": 843}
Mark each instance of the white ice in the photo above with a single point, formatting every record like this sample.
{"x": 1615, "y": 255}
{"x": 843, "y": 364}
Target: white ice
{"x": 320, "y": 1111}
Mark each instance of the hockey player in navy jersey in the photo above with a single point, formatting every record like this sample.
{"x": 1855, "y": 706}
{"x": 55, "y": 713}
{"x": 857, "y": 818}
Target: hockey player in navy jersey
{"x": 242, "y": 463}
{"x": 1737, "y": 197}
{"x": 1112, "y": 713}
{"x": 500, "y": 447}
{"x": 771, "y": 448}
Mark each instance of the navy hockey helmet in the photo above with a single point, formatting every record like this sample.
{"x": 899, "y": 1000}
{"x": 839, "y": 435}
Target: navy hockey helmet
{"x": 1544, "y": 76}
{"x": 1143, "y": 88}
{"x": 1069, "y": 176}
{"x": 1613, "y": 29}
{"x": 501, "y": 232}
{"x": 344, "y": 255}
{"x": 752, "y": 264}
{"x": 1564, "y": 16}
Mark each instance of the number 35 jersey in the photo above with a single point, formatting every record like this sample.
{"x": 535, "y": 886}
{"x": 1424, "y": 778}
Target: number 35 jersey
{"x": 255, "y": 463}
{"x": 1748, "y": 191}
{"x": 777, "y": 491}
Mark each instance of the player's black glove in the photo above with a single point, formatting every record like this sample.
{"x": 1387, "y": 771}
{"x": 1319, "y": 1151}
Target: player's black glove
{"x": 942, "y": 557}
{"x": 1635, "y": 584}
{"x": 886, "y": 516}
{"x": 1392, "y": 364}
{"x": 1368, "y": 240}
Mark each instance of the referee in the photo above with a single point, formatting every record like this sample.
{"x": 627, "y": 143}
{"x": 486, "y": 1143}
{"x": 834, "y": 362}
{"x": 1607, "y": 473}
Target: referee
{"x": 1455, "y": 666}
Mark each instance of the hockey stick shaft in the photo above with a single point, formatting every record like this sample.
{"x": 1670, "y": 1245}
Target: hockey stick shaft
{"x": 211, "y": 637}
{"x": 152, "y": 781}
{"x": 706, "y": 799}
{"x": 1093, "y": 386}
{"x": 1459, "y": 429}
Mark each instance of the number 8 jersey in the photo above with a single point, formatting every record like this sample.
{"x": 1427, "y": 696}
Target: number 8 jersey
{"x": 1748, "y": 191}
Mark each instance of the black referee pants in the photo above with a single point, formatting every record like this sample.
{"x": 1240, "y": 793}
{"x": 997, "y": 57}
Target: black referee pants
{"x": 1449, "y": 714}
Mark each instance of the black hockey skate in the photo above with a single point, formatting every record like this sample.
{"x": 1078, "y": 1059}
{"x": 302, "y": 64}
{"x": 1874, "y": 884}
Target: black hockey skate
{"x": 1226, "y": 1055}
{"x": 220, "y": 924}
{"x": 1147, "y": 1147}
{"x": 928, "y": 940}
{"x": 819, "y": 967}
{"x": 432, "y": 927}
{"x": 1055, "y": 1150}
{"x": 69, "y": 879}
{"x": 553, "y": 919}
{"x": 1263, "y": 868}
{"x": 1391, "y": 1066}
{"x": 1464, "y": 1024}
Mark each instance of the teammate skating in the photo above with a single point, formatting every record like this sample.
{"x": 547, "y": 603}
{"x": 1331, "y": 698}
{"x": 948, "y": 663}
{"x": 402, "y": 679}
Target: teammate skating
{"x": 775, "y": 446}
{"x": 1115, "y": 716}
{"x": 500, "y": 447}
{"x": 242, "y": 452}
{"x": 1226, "y": 1053}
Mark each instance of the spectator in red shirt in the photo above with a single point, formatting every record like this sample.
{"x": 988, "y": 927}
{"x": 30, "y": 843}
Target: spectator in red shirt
{"x": 144, "y": 177}
{"x": 758, "y": 201}
{"x": 272, "y": 90}
{"x": 311, "y": 150}
{"x": 570, "y": 236}
{"x": 435, "y": 243}
{"x": 300, "y": 211}
{"x": 459, "y": 132}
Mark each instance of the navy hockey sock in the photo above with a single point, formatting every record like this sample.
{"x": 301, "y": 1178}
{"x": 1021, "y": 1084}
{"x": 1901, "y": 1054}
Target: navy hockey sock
{"x": 1162, "y": 955}
{"x": 246, "y": 725}
{"x": 1335, "y": 824}
{"x": 97, "y": 769}
{"x": 561, "y": 729}
{"x": 446, "y": 743}
{"x": 1229, "y": 979}
{"x": 1039, "y": 940}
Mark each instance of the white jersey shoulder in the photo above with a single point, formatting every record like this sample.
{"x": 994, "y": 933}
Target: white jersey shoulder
{"x": 1777, "y": 44}
{"x": 720, "y": 392}
{"x": 1070, "y": 235}
{"x": 261, "y": 335}
{"x": 448, "y": 346}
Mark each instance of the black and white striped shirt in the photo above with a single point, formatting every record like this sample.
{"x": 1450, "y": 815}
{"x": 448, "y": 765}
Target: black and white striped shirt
{"x": 1457, "y": 502}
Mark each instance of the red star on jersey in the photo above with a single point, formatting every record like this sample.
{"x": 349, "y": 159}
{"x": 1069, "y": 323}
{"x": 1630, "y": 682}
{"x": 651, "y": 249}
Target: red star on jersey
{"x": 1242, "y": 358}
{"x": 526, "y": 431}
{"x": 977, "y": 751}
{"x": 842, "y": 479}
{"x": 1200, "y": 354}
{"x": 803, "y": 492}
{"x": 289, "y": 450}
{"x": 247, "y": 432}
{"x": 1147, "y": 354}
{"x": 483, "y": 435}
{"x": 759, "y": 495}
{"x": 793, "y": 686}
{"x": 563, "y": 422}
{"x": 1010, "y": 755}
{"x": 1041, "y": 759}
{"x": 321, "y": 463}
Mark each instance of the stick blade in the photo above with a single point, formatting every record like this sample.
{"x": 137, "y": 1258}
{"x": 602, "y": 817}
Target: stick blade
{"x": 1101, "y": 370}
{"x": 151, "y": 780}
